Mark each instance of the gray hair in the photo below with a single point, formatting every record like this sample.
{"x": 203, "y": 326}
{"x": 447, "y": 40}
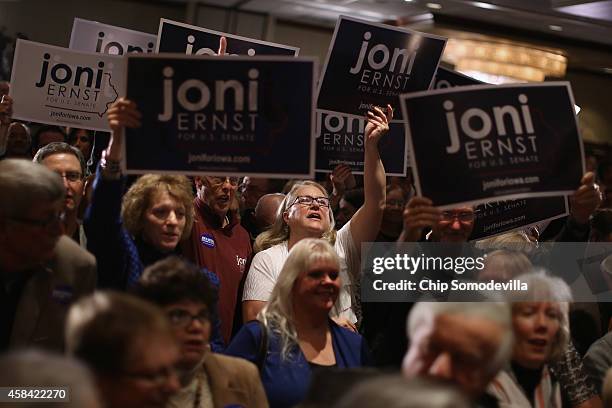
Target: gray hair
{"x": 542, "y": 287}
{"x": 24, "y": 184}
{"x": 102, "y": 329}
{"x": 34, "y": 368}
{"x": 513, "y": 241}
{"x": 279, "y": 231}
{"x": 503, "y": 265}
{"x": 57, "y": 148}
{"x": 277, "y": 315}
{"x": 497, "y": 312}
{"x": 394, "y": 391}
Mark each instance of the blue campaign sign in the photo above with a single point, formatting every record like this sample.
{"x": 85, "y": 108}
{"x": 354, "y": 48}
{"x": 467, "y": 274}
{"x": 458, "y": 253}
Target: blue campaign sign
{"x": 447, "y": 78}
{"x": 224, "y": 115}
{"x": 371, "y": 64}
{"x": 340, "y": 140}
{"x": 475, "y": 144}
{"x": 174, "y": 36}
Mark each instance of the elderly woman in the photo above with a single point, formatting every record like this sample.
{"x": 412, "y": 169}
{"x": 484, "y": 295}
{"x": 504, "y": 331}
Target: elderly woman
{"x": 541, "y": 331}
{"x": 305, "y": 213}
{"x": 207, "y": 379}
{"x": 294, "y": 334}
{"x": 155, "y": 214}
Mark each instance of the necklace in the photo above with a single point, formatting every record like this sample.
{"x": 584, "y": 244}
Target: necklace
{"x": 198, "y": 393}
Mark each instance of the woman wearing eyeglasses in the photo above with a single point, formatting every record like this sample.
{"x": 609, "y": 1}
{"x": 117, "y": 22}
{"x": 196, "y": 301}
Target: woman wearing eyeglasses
{"x": 305, "y": 213}
{"x": 128, "y": 232}
{"x": 293, "y": 335}
{"x": 207, "y": 379}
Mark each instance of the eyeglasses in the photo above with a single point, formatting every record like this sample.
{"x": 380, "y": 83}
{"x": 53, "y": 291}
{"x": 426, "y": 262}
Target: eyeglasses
{"x": 309, "y": 200}
{"x": 158, "y": 377}
{"x": 218, "y": 181}
{"x": 464, "y": 216}
{"x": 395, "y": 203}
{"x": 46, "y": 224}
{"x": 71, "y": 176}
{"x": 183, "y": 318}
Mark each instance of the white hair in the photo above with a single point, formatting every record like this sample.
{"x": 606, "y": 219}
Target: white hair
{"x": 497, "y": 312}
{"x": 542, "y": 287}
{"x": 34, "y": 368}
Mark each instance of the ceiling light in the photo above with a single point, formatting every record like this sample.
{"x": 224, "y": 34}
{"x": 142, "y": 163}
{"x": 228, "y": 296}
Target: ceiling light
{"x": 504, "y": 59}
{"x": 484, "y": 5}
{"x": 434, "y": 6}
{"x": 555, "y": 27}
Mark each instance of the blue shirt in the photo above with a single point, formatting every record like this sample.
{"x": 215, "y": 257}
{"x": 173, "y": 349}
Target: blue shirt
{"x": 286, "y": 381}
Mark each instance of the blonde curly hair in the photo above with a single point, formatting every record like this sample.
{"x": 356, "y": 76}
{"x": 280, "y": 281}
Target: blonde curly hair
{"x": 138, "y": 199}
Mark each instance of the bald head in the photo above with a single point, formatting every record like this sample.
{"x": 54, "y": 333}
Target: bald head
{"x": 266, "y": 209}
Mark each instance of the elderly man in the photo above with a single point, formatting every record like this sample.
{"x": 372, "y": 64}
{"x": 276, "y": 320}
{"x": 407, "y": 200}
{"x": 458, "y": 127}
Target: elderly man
{"x": 69, "y": 163}
{"x": 219, "y": 243}
{"x": 129, "y": 346}
{"x": 41, "y": 271}
{"x": 464, "y": 343}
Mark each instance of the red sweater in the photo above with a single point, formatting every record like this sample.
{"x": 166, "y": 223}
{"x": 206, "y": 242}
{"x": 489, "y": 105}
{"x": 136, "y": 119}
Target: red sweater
{"x": 224, "y": 251}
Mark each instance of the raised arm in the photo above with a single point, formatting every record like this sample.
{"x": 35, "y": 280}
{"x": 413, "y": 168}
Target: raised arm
{"x": 366, "y": 221}
{"x": 6, "y": 110}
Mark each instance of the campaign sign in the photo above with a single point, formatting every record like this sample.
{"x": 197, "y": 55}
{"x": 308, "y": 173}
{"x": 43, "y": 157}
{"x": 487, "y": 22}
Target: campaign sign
{"x": 447, "y": 78}
{"x": 225, "y": 115}
{"x": 191, "y": 40}
{"x": 371, "y": 64}
{"x": 475, "y": 144}
{"x": 499, "y": 217}
{"x": 340, "y": 140}
{"x": 60, "y": 86}
{"x": 91, "y": 36}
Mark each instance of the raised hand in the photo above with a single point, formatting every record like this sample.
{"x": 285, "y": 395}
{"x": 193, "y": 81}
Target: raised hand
{"x": 222, "y": 46}
{"x": 123, "y": 113}
{"x": 586, "y": 199}
{"x": 419, "y": 214}
{"x": 342, "y": 179}
{"x": 377, "y": 123}
{"x": 6, "y": 110}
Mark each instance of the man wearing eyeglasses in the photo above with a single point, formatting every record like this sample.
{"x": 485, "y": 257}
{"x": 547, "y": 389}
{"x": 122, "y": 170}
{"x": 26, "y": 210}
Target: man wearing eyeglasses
{"x": 69, "y": 163}
{"x": 219, "y": 243}
{"x": 41, "y": 271}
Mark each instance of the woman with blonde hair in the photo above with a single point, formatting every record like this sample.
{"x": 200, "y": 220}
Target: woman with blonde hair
{"x": 305, "y": 213}
{"x": 293, "y": 333}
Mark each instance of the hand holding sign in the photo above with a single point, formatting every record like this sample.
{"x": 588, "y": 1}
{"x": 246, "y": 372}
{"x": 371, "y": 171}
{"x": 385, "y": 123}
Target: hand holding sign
{"x": 585, "y": 200}
{"x": 378, "y": 124}
{"x": 123, "y": 113}
{"x": 419, "y": 214}
{"x": 342, "y": 179}
{"x": 6, "y": 110}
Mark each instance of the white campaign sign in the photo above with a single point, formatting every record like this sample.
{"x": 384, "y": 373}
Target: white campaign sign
{"x": 60, "y": 86}
{"x": 91, "y": 36}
